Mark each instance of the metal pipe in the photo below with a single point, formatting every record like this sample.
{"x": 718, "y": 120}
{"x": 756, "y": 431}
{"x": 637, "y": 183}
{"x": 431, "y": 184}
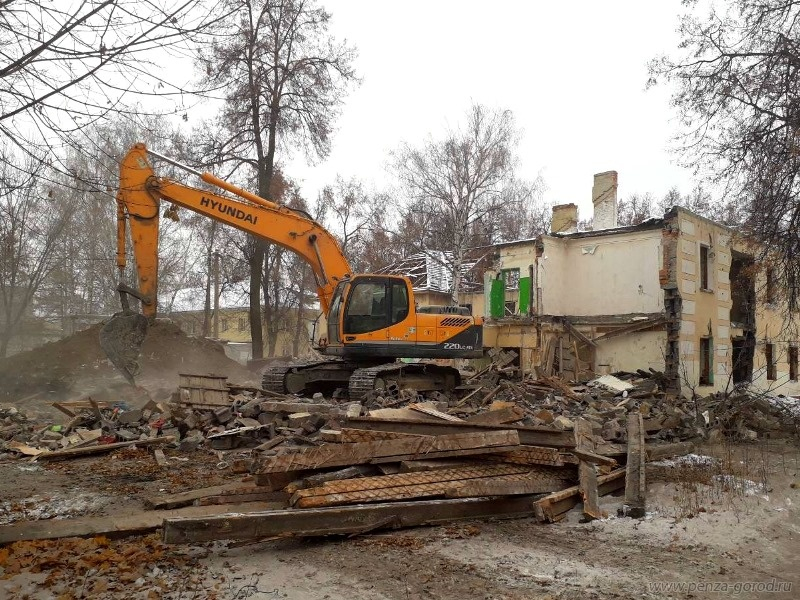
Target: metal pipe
{"x": 175, "y": 163}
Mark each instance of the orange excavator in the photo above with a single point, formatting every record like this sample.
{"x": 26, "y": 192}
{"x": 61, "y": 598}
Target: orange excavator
{"x": 372, "y": 320}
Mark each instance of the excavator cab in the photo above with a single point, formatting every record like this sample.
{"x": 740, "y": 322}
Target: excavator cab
{"x": 365, "y": 309}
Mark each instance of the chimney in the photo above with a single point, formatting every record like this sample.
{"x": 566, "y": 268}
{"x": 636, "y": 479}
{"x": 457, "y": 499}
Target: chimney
{"x": 604, "y": 198}
{"x": 565, "y": 219}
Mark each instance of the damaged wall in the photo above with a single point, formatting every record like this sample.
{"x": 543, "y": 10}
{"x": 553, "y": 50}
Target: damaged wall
{"x": 601, "y": 275}
{"x": 701, "y": 268}
{"x": 639, "y": 350}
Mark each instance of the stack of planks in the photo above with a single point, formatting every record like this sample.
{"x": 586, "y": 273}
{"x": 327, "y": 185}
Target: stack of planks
{"x": 377, "y": 473}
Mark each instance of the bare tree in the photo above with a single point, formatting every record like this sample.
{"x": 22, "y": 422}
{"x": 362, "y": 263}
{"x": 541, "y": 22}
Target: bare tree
{"x": 66, "y": 65}
{"x": 31, "y": 223}
{"x": 284, "y": 78}
{"x": 736, "y": 89}
{"x": 634, "y": 209}
{"x": 459, "y": 180}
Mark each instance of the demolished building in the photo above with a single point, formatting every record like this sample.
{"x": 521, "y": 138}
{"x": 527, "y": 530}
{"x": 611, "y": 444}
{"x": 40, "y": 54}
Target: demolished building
{"x": 676, "y": 294}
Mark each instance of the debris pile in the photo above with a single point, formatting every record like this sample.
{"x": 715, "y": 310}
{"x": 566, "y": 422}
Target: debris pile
{"x": 375, "y": 472}
{"x": 72, "y": 367}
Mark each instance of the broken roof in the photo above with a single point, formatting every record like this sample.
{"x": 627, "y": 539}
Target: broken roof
{"x": 432, "y": 271}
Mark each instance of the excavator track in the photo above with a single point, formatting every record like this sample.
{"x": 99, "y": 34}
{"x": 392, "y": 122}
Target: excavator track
{"x": 359, "y": 378}
{"x": 392, "y": 377}
{"x": 275, "y": 379}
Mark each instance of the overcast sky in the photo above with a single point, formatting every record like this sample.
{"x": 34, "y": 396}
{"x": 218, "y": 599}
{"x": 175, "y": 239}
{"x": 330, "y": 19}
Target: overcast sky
{"x": 573, "y": 73}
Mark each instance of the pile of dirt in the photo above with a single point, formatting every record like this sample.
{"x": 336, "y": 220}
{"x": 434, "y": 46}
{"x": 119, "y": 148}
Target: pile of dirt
{"x": 74, "y": 365}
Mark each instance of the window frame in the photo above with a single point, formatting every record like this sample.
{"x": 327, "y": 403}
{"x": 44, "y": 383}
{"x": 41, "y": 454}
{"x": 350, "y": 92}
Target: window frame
{"x": 769, "y": 359}
{"x": 706, "y": 376}
{"x": 705, "y": 262}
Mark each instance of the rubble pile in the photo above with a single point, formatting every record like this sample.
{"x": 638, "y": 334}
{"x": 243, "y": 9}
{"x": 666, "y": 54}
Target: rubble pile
{"x": 71, "y": 367}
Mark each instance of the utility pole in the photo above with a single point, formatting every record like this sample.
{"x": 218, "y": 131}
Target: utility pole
{"x": 216, "y": 295}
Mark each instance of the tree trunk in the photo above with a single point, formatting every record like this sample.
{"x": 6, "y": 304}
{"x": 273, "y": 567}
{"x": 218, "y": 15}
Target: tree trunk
{"x": 299, "y": 329}
{"x": 256, "y": 270}
{"x": 207, "y": 303}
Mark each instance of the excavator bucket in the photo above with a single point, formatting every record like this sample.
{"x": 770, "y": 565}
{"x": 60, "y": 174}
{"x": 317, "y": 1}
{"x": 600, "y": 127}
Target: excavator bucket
{"x": 121, "y": 339}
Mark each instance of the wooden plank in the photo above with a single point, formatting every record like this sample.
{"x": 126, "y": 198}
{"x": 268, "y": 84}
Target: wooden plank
{"x": 321, "y": 478}
{"x": 587, "y": 473}
{"x": 434, "y": 413}
{"x": 115, "y": 526}
{"x": 469, "y": 396}
{"x": 632, "y": 328}
{"x": 402, "y": 413}
{"x": 77, "y": 452}
{"x": 534, "y": 482}
{"x": 253, "y": 494}
{"x": 404, "y": 492}
{"x": 550, "y": 508}
{"x": 63, "y": 409}
{"x": 23, "y": 448}
{"x": 446, "y": 454}
{"x": 507, "y": 414}
{"x": 575, "y": 333}
{"x": 635, "y": 467}
{"x": 416, "y": 466}
{"x": 350, "y": 436}
{"x": 166, "y": 501}
{"x": 409, "y": 479}
{"x": 535, "y": 436}
{"x": 334, "y": 455}
{"x": 596, "y": 459}
{"x": 340, "y": 520}
{"x": 533, "y": 455}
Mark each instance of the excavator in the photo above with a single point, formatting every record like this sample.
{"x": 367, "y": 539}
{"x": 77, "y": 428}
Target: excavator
{"x": 372, "y": 320}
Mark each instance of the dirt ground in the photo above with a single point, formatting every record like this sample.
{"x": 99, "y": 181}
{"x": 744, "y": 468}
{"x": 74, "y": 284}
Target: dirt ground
{"x": 74, "y": 367}
{"x": 731, "y": 521}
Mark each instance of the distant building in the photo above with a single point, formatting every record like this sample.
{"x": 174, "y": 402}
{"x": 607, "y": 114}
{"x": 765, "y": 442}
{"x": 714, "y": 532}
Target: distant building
{"x": 186, "y": 308}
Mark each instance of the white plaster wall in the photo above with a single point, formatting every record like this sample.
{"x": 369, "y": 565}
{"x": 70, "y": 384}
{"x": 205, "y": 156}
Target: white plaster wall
{"x": 605, "y": 275}
{"x": 630, "y": 352}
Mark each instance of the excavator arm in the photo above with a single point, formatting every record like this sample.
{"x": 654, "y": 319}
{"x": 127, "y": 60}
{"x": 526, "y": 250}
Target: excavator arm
{"x": 138, "y": 203}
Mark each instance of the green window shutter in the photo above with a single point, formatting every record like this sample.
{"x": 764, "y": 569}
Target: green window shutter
{"x": 524, "y": 295}
{"x": 497, "y": 297}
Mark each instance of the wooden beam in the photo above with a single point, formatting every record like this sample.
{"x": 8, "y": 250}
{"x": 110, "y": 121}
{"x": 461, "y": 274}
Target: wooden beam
{"x": 575, "y": 333}
{"x": 116, "y": 526}
{"x": 350, "y": 436}
{"x": 335, "y": 455}
{"x": 535, "y": 436}
{"x": 341, "y": 520}
{"x": 254, "y": 494}
{"x": 596, "y": 459}
{"x": 322, "y": 478}
{"x": 166, "y": 501}
{"x": 77, "y": 452}
{"x": 432, "y": 412}
{"x": 509, "y": 485}
{"x": 632, "y": 328}
{"x": 408, "y": 479}
{"x": 550, "y": 508}
{"x": 278, "y": 481}
{"x": 587, "y": 473}
{"x": 534, "y": 455}
{"x": 635, "y": 485}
